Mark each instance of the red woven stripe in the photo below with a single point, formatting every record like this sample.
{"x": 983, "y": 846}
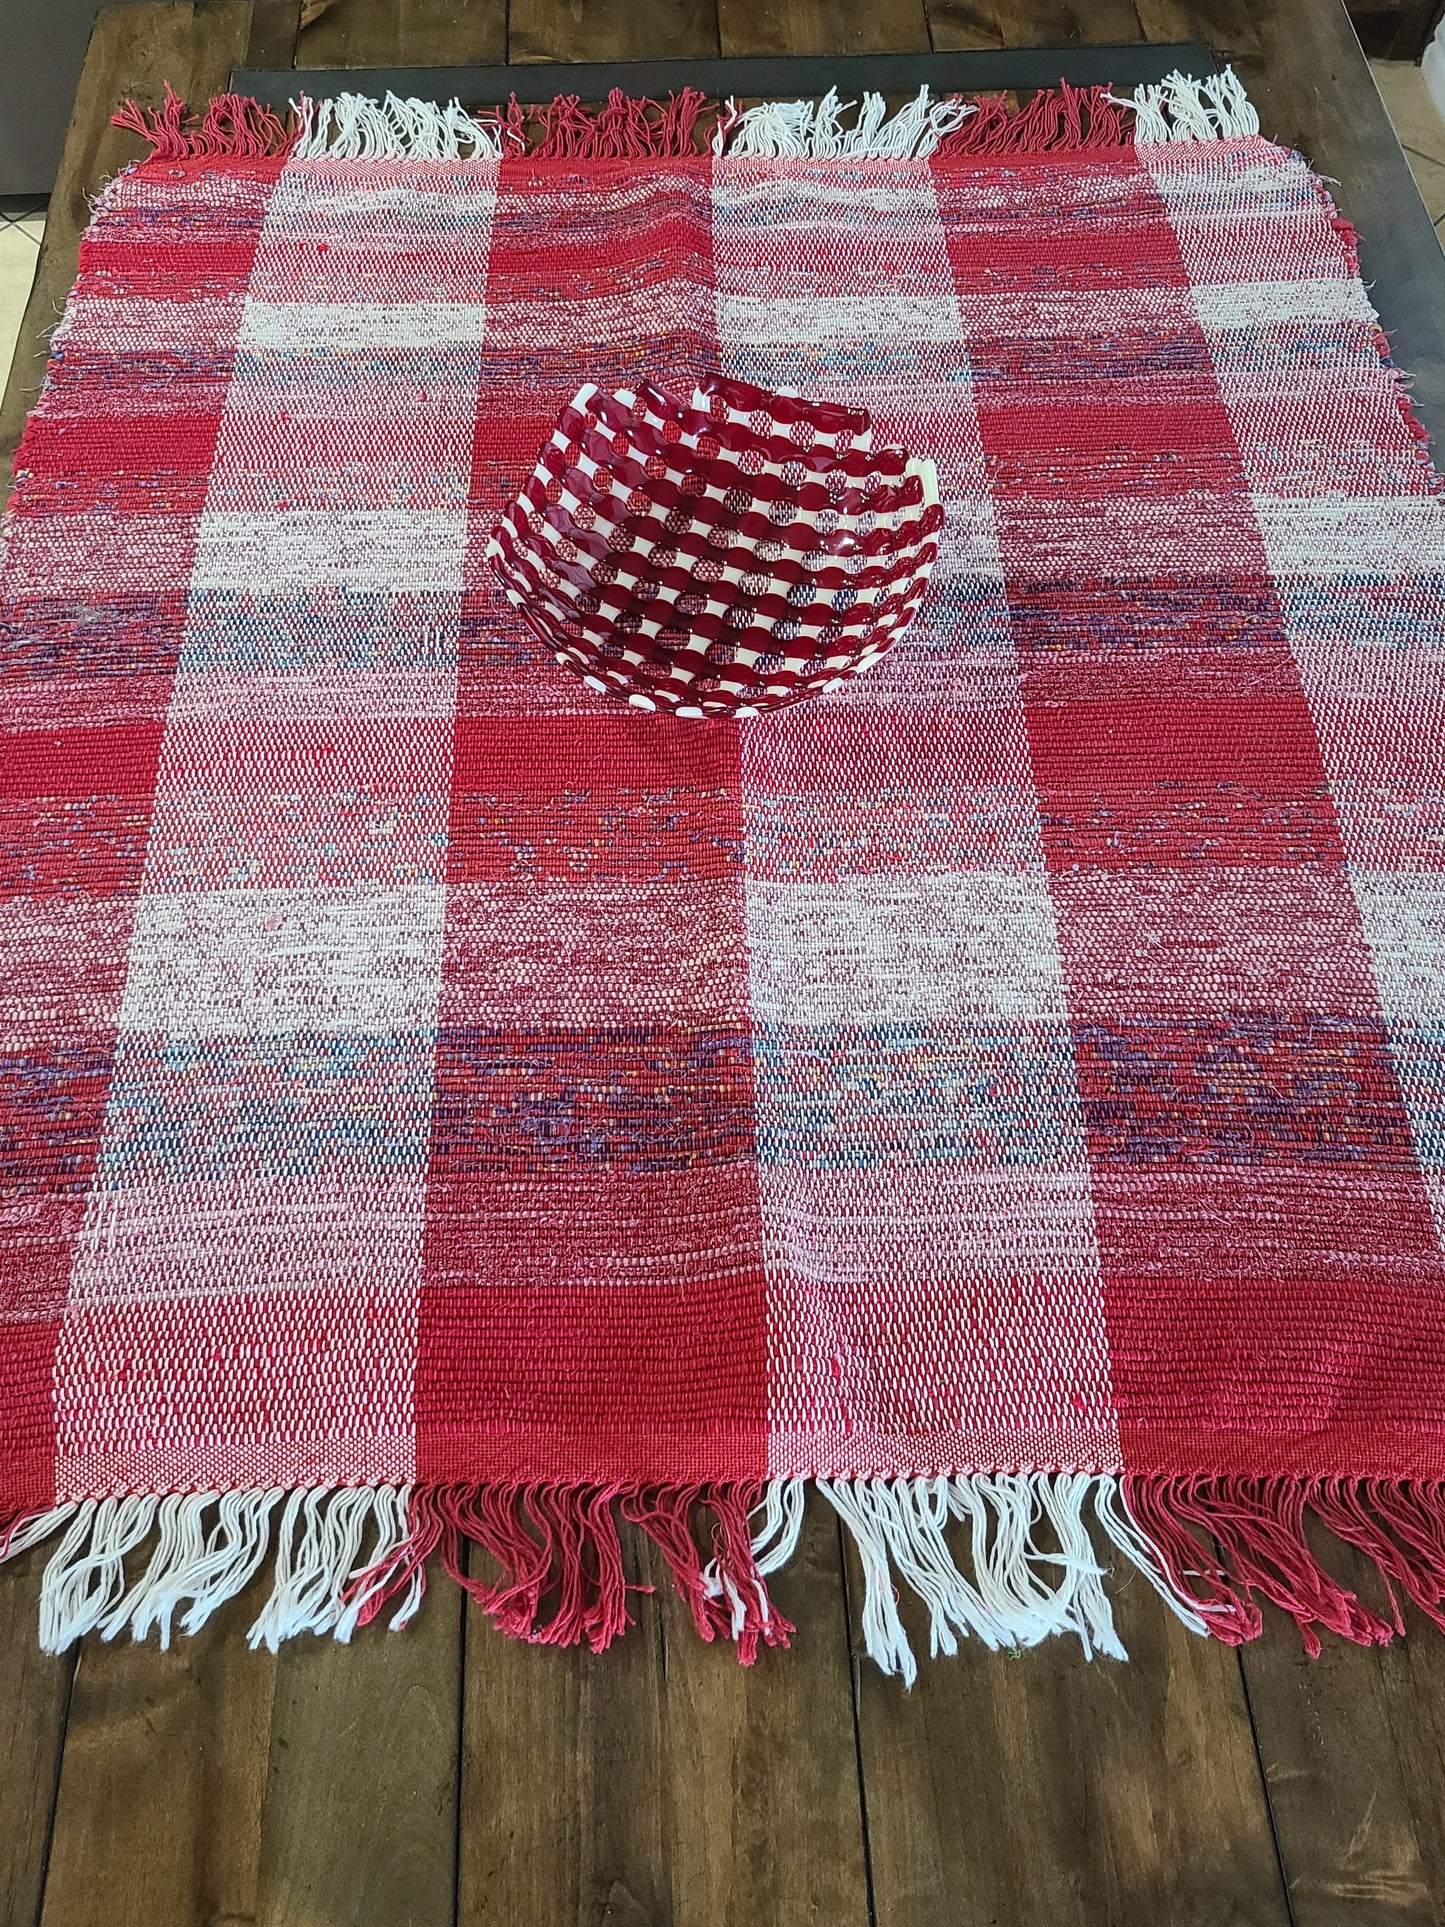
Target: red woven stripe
{"x": 551, "y": 1280}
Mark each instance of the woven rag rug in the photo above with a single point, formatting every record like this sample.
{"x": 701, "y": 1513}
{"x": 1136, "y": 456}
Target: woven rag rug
{"x": 444, "y": 1106}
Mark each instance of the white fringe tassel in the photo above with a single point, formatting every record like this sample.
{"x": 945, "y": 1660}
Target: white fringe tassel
{"x": 813, "y": 130}
{"x": 1021, "y": 1592}
{"x": 1181, "y": 108}
{"x": 352, "y": 127}
{"x": 323, "y": 1542}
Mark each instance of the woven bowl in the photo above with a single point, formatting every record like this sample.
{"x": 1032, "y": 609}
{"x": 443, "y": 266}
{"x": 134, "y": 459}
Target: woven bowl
{"x": 724, "y": 555}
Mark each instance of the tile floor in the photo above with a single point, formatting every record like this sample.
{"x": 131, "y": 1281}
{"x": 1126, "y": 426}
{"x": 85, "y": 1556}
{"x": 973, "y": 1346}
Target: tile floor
{"x": 1421, "y": 130}
{"x": 22, "y": 222}
{"x": 1417, "y": 121}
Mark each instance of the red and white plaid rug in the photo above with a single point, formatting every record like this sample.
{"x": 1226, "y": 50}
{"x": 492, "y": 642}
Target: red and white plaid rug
{"x": 438, "y": 1101}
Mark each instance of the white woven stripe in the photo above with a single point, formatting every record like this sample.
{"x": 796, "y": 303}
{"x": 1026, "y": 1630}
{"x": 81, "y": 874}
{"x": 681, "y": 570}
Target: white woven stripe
{"x": 849, "y": 981}
{"x": 299, "y": 327}
{"x": 331, "y": 932}
{"x": 971, "y": 945}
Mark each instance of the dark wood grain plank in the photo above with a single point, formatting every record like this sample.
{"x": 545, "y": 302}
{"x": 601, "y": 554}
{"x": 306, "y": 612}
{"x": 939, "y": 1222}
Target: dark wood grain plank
{"x": 611, "y": 30}
{"x": 1039, "y": 1791}
{"x": 664, "y": 1784}
{"x": 215, "y": 1784}
{"x": 822, "y": 27}
{"x": 956, "y": 25}
{"x": 35, "y": 1698}
{"x": 359, "y": 1823}
{"x": 274, "y": 27}
{"x": 1063, "y": 23}
{"x": 158, "y": 1820}
{"x": 563, "y": 1775}
{"x": 401, "y": 33}
{"x": 134, "y": 50}
{"x": 1225, "y": 25}
{"x": 1353, "y": 1747}
{"x": 765, "y": 1820}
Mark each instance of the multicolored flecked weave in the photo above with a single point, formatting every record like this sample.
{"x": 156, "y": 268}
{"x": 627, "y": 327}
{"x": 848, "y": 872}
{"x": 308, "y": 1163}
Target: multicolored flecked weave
{"x": 420, "y": 1071}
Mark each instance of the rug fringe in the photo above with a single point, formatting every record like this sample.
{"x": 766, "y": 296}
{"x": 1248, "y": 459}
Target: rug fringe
{"x": 1222, "y": 1541}
{"x": 1009, "y": 1559}
{"x": 1181, "y": 108}
{"x": 625, "y": 129}
{"x": 813, "y": 130}
{"x": 233, "y": 124}
{"x": 357, "y": 127}
{"x": 353, "y": 127}
{"x": 1035, "y": 1570}
{"x": 340, "y": 1556}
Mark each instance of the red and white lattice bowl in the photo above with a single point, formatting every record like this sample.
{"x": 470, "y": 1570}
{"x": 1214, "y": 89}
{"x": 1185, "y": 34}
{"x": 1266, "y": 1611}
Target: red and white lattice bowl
{"x": 719, "y": 556}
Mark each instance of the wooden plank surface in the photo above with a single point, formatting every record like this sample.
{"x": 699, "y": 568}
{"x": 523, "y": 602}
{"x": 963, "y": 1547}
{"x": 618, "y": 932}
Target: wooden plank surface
{"x": 1040, "y": 1791}
{"x": 35, "y": 1699}
{"x": 611, "y": 30}
{"x": 1061, "y": 23}
{"x": 272, "y": 38}
{"x": 564, "y": 1773}
{"x": 666, "y": 1785}
{"x": 822, "y": 27}
{"x": 1353, "y": 1749}
{"x": 765, "y": 1821}
{"x": 352, "y": 33}
{"x": 360, "y": 1812}
{"x": 163, "y": 1781}
{"x": 1226, "y": 25}
{"x": 216, "y": 1784}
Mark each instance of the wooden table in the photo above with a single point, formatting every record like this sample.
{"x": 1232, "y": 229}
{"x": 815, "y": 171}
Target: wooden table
{"x": 448, "y": 1775}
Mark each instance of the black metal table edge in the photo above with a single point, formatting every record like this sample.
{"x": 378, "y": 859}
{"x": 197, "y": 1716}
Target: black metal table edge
{"x": 780, "y": 76}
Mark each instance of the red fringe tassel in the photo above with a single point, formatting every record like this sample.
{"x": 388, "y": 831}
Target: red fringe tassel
{"x": 1058, "y": 120}
{"x": 1223, "y": 1542}
{"x": 625, "y": 129}
{"x": 562, "y": 1580}
{"x": 233, "y": 124}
